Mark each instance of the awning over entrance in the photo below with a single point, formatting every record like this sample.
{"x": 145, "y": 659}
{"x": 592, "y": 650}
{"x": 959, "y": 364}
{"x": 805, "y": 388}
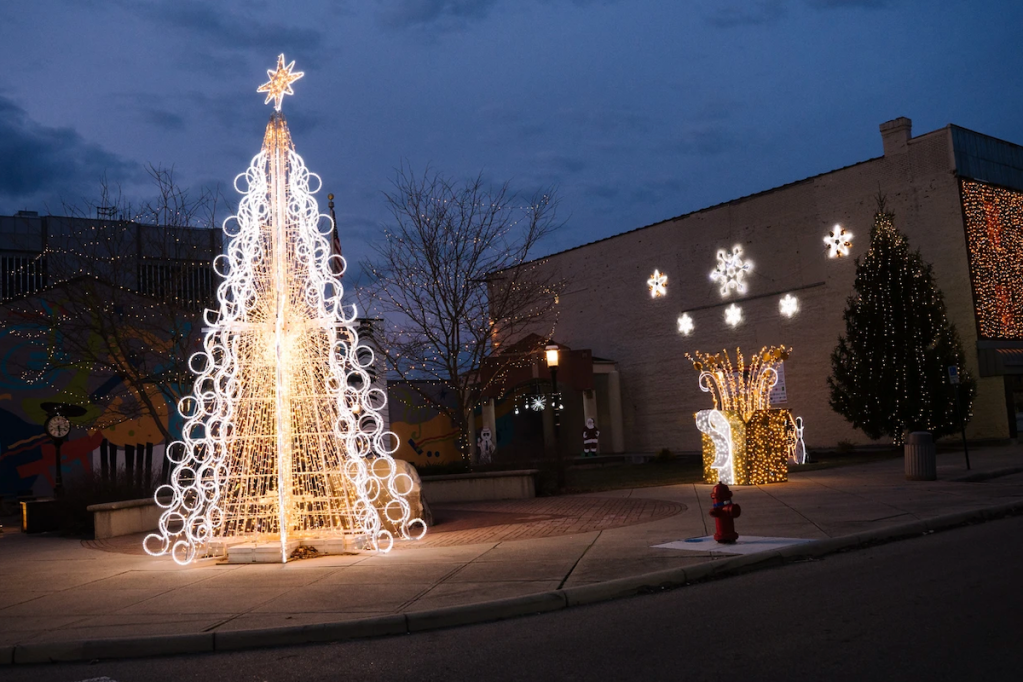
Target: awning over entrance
{"x": 498, "y": 376}
{"x": 998, "y": 358}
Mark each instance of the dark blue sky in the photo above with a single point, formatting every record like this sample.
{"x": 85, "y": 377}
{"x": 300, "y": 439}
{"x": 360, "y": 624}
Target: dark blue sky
{"x": 638, "y": 110}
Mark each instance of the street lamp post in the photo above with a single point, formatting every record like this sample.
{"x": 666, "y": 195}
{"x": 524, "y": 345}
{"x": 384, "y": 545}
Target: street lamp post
{"x": 553, "y": 360}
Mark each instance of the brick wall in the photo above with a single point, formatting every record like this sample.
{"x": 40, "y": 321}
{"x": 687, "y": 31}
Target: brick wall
{"x": 607, "y": 306}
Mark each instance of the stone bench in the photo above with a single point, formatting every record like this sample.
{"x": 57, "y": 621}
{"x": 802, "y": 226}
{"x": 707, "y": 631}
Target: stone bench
{"x": 112, "y": 519}
{"x": 126, "y": 517}
{"x": 491, "y": 485}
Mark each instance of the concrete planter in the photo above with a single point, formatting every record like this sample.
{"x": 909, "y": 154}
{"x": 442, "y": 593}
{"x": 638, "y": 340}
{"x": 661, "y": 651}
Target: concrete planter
{"x": 494, "y": 485}
{"x": 111, "y": 519}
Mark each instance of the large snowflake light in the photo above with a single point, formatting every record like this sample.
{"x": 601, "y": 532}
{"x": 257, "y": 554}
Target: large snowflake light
{"x": 730, "y": 271}
{"x": 839, "y": 242}
{"x": 283, "y": 440}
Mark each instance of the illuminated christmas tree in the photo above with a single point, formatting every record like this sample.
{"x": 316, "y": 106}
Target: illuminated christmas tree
{"x": 283, "y": 439}
{"x": 890, "y": 370}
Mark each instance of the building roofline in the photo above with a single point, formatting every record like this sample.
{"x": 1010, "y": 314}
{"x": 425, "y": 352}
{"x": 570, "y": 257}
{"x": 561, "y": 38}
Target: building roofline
{"x": 748, "y": 196}
{"x": 974, "y": 132}
{"x": 702, "y": 210}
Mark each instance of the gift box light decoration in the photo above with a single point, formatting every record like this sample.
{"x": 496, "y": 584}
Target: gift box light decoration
{"x": 796, "y": 446}
{"x": 745, "y": 441}
{"x": 730, "y": 271}
{"x": 658, "y": 284}
{"x": 839, "y": 242}
{"x": 283, "y": 437}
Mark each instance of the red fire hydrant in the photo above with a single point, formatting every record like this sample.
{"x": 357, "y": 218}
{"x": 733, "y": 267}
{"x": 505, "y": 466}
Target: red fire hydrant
{"x": 723, "y": 512}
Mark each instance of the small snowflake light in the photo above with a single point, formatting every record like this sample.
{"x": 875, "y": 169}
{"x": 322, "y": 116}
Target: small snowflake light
{"x": 839, "y": 242}
{"x": 658, "y": 284}
{"x": 537, "y": 403}
{"x": 730, "y": 271}
{"x": 733, "y": 315}
{"x": 789, "y": 305}
{"x": 685, "y": 324}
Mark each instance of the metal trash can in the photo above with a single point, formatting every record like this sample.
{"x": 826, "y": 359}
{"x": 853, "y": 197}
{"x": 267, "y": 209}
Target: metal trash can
{"x": 919, "y": 454}
{"x": 39, "y": 516}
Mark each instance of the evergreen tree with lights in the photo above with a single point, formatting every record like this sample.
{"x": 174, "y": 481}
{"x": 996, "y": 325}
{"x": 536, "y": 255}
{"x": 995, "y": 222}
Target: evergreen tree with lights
{"x": 890, "y": 370}
{"x": 284, "y": 441}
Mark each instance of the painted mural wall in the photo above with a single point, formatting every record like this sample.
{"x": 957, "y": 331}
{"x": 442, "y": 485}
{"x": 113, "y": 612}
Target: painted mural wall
{"x": 113, "y": 434}
{"x": 425, "y": 436}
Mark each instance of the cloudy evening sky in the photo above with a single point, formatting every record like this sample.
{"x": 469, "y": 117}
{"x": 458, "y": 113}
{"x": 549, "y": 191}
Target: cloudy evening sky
{"x": 638, "y": 110}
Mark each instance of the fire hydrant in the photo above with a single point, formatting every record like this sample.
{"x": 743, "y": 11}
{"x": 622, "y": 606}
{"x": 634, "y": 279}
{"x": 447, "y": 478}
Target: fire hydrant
{"x": 723, "y": 512}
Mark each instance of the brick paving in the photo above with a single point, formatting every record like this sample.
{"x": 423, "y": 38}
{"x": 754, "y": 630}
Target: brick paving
{"x": 469, "y": 523}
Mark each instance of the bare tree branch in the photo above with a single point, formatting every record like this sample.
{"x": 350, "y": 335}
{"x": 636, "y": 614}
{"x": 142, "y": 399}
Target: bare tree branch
{"x": 452, "y": 273}
{"x": 127, "y": 284}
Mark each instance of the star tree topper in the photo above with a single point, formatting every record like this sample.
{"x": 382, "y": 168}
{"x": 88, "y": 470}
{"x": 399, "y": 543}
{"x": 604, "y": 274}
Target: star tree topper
{"x": 280, "y": 82}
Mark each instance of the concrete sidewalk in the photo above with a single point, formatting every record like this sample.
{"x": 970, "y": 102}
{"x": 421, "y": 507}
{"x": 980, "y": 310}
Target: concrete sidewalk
{"x": 55, "y": 590}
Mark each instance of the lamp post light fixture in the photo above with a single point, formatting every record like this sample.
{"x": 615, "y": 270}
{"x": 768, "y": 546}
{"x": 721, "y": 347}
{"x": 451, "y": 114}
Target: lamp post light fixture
{"x": 553, "y": 360}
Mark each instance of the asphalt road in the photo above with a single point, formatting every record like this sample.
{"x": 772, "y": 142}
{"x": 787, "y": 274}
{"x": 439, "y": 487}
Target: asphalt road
{"x": 948, "y": 606}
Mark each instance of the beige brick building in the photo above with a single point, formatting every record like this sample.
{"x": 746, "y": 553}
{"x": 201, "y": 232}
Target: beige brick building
{"x": 957, "y": 195}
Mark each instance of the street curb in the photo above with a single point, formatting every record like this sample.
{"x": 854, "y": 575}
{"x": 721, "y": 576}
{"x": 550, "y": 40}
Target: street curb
{"x": 122, "y": 647}
{"x": 987, "y": 475}
{"x": 419, "y": 621}
{"x": 234, "y": 640}
{"x": 485, "y": 611}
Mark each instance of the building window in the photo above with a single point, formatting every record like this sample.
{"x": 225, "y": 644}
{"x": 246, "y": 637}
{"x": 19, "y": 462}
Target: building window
{"x": 21, "y": 274}
{"x": 186, "y": 283}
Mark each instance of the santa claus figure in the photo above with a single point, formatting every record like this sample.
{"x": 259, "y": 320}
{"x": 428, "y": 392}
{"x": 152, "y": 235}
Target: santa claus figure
{"x": 485, "y": 445}
{"x": 591, "y": 438}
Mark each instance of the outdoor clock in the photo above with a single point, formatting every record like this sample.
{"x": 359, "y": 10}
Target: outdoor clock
{"x": 58, "y": 426}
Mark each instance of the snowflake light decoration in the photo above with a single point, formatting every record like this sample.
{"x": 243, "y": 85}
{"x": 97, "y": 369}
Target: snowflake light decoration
{"x": 733, "y": 315}
{"x": 685, "y": 324}
{"x": 730, "y": 271}
{"x": 658, "y": 284}
{"x": 537, "y": 403}
{"x": 839, "y": 242}
{"x": 789, "y": 305}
